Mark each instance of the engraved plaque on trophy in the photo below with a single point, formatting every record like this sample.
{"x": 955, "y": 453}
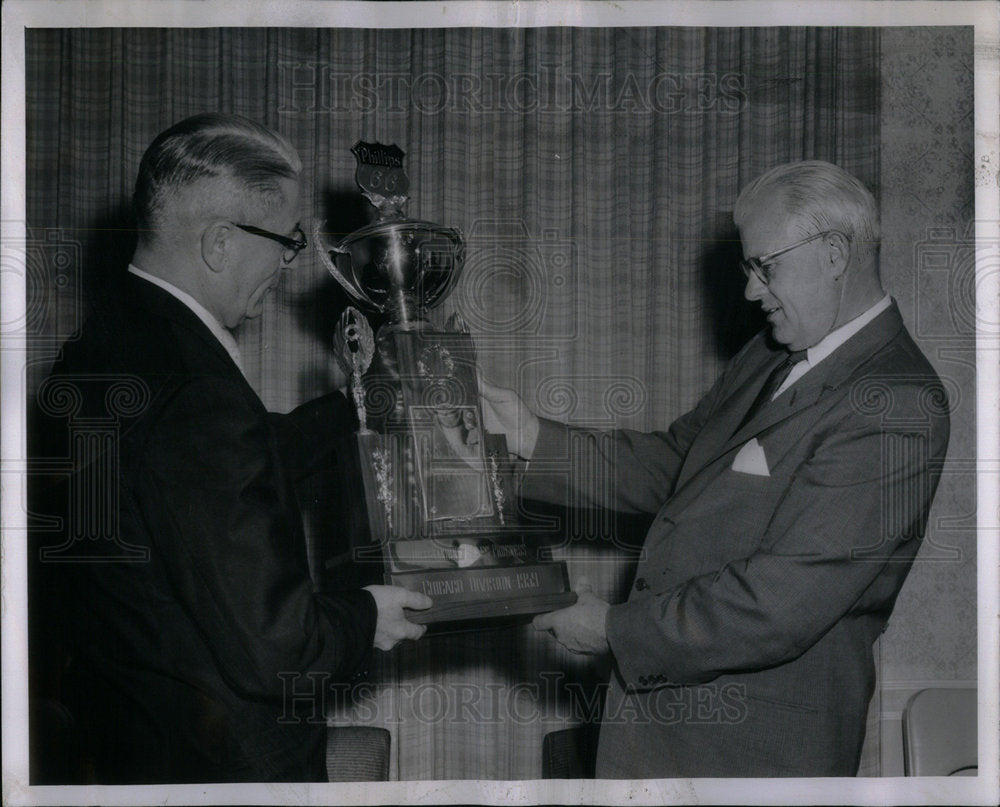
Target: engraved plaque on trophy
{"x": 439, "y": 489}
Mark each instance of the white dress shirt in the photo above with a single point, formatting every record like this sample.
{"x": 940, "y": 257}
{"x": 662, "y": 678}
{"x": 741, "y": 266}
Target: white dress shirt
{"x": 829, "y": 343}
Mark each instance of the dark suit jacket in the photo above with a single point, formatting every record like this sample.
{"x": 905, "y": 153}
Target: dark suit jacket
{"x": 191, "y": 618}
{"x": 745, "y": 646}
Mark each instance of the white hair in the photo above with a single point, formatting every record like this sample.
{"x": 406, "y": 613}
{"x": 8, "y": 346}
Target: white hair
{"x": 819, "y": 196}
{"x": 248, "y": 159}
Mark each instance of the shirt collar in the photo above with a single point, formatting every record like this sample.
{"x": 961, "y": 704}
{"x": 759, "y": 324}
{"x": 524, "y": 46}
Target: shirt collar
{"x": 218, "y": 331}
{"x": 836, "y": 338}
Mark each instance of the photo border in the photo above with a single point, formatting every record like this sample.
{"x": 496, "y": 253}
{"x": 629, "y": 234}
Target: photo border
{"x": 20, "y": 14}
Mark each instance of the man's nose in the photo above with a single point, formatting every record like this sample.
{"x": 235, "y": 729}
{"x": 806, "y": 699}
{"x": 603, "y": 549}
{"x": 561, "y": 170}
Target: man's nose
{"x": 754, "y": 289}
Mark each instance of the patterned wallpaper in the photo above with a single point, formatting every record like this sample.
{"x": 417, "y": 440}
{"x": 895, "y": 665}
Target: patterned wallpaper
{"x": 927, "y": 190}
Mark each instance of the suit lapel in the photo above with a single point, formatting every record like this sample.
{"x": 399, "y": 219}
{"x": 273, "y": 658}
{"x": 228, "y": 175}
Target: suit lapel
{"x": 749, "y": 378}
{"x": 159, "y": 302}
{"x": 802, "y": 394}
{"x": 718, "y": 438}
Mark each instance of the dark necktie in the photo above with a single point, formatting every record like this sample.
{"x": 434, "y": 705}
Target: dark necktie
{"x": 774, "y": 381}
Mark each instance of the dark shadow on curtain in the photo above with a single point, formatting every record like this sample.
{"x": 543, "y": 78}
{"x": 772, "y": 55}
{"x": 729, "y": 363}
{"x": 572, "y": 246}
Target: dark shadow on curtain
{"x": 108, "y": 246}
{"x": 345, "y": 210}
{"x": 70, "y": 273}
{"x": 735, "y": 320}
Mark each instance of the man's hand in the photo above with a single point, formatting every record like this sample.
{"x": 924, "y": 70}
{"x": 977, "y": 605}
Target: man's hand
{"x": 579, "y": 628}
{"x": 392, "y": 626}
{"x": 505, "y": 413}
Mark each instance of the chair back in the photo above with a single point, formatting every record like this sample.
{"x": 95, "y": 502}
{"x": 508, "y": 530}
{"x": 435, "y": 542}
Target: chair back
{"x": 358, "y": 754}
{"x": 570, "y": 753}
{"x": 940, "y": 733}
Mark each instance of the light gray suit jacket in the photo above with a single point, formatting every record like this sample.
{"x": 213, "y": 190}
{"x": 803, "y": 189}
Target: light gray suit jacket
{"x": 745, "y": 645}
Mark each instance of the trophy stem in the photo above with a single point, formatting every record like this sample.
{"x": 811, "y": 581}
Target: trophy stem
{"x": 405, "y": 313}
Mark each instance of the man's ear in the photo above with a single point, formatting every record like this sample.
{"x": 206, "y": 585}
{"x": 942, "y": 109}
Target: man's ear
{"x": 837, "y": 253}
{"x": 216, "y": 243}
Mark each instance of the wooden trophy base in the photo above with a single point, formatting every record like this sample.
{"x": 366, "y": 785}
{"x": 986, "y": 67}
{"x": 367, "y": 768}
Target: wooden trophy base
{"x": 487, "y": 593}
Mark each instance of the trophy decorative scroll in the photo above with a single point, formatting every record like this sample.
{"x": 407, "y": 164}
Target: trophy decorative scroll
{"x": 439, "y": 489}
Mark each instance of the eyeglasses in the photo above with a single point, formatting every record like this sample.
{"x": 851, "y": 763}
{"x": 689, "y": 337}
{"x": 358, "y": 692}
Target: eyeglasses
{"x": 758, "y": 266}
{"x": 293, "y": 246}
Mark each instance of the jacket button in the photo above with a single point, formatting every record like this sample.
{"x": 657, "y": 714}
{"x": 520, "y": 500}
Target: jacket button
{"x": 641, "y": 584}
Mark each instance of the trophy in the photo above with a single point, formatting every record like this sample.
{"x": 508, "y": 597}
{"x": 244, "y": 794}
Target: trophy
{"x": 439, "y": 489}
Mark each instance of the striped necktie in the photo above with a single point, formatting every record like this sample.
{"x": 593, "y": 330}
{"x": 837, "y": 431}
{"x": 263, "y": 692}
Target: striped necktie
{"x": 773, "y": 383}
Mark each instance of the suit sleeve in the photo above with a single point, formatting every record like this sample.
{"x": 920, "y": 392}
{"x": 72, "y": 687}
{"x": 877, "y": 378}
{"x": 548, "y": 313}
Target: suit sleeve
{"x": 629, "y": 471}
{"x": 310, "y": 433}
{"x": 228, "y": 532}
{"x": 838, "y": 545}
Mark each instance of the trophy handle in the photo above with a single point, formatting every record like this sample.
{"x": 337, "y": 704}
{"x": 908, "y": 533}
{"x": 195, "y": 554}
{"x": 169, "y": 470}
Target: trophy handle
{"x": 325, "y": 250}
{"x": 443, "y": 291}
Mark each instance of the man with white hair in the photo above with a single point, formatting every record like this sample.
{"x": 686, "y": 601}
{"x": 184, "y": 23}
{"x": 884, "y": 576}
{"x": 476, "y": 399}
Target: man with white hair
{"x": 189, "y": 636}
{"x": 789, "y": 505}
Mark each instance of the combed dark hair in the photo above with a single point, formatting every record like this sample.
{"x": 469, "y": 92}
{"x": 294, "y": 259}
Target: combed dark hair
{"x": 821, "y": 196}
{"x": 213, "y": 144}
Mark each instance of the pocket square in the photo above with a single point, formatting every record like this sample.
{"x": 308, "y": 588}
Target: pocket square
{"x": 751, "y": 460}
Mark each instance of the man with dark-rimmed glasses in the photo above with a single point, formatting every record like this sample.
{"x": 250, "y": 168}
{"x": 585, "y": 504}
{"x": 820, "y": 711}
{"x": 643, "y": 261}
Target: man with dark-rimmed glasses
{"x": 181, "y": 642}
{"x": 787, "y": 507}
